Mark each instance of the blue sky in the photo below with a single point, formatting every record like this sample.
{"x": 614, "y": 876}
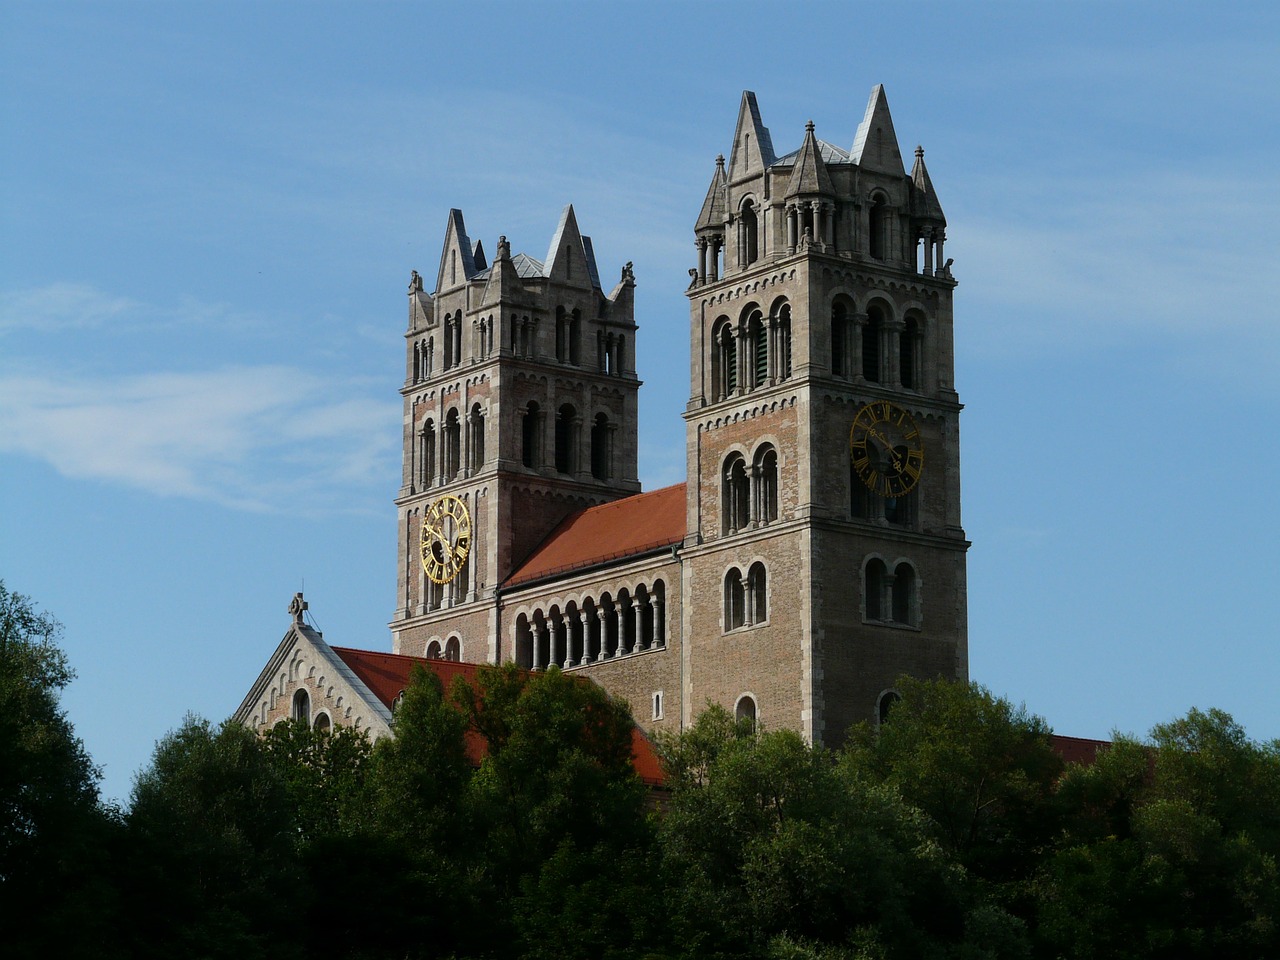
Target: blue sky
{"x": 210, "y": 212}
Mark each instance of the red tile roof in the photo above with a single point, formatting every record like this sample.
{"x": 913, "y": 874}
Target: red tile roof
{"x": 387, "y": 674}
{"x": 1078, "y": 749}
{"x": 624, "y": 528}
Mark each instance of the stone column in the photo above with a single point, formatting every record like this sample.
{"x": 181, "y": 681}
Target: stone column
{"x": 601, "y": 615}
{"x": 792, "y": 215}
{"x": 859, "y": 326}
{"x": 928, "y": 253}
{"x": 659, "y": 621}
{"x": 584, "y": 651}
{"x": 538, "y": 631}
{"x": 893, "y": 330}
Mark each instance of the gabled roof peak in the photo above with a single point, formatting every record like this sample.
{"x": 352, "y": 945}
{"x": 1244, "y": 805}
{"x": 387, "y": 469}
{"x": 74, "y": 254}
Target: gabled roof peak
{"x": 809, "y": 175}
{"x": 875, "y": 148}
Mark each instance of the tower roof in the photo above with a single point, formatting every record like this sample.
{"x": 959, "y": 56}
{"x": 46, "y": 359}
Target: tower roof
{"x": 875, "y": 147}
{"x": 809, "y": 175}
{"x": 924, "y": 202}
{"x": 752, "y": 145}
{"x": 714, "y": 207}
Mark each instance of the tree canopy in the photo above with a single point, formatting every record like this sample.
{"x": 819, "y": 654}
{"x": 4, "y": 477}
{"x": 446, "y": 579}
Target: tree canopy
{"x": 505, "y": 819}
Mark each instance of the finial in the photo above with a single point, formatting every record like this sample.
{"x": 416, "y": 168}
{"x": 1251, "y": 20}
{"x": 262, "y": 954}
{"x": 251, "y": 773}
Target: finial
{"x": 808, "y": 127}
{"x": 720, "y": 161}
{"x": 919, "y": 152}
{"x": 297, "y": 607}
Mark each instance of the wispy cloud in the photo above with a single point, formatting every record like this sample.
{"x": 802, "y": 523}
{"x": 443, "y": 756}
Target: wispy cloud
{"x": 1083, "y": 264}
{"x": 64, "y": 305}
{"x": 253, "y": 438}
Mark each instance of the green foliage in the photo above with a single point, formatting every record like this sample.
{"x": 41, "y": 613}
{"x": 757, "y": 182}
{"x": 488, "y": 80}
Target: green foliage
{"x": 566, "y": 841}
{"x": 982, "y": 771}
{"x": 53, "y": 834}
{"x": 1171, "y": 848}
{"x": 773, "y": 847}
{"x": 216, "y": 834}
{"x": 324, "y": 773}
{"x": 505, "y": 819}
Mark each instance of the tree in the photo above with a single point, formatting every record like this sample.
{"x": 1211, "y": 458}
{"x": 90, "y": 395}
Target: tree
{"x": 53, "y": 832}
{"x": 982, "y": 770}
{"x": 566, "y": 842}
{"x": 773, "y": 847}
{"x": 215, "y": 834}
{"x": 1171, "y": 848}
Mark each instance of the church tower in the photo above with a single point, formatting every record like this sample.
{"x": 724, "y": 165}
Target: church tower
{"x": 520, "y": 399}
{"x": 824, "y": 554}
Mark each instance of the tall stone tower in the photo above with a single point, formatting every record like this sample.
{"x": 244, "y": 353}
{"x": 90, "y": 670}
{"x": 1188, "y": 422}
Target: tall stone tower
{"x": 824, "y": 554}
{"x": 520, "y": 400}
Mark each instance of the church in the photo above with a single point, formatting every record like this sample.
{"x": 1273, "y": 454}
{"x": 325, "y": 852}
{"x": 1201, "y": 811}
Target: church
{"x": 815, "y": 551}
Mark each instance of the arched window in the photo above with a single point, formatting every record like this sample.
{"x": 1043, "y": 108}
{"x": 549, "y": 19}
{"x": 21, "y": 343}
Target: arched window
{"x": 887, "y": 701}
{"x": 735, "y": 601}
{"x": 839, "y": 340}
{"x": 757, "y": 595}
{"x": 453, "y": 649}
{"x": 531, "y": 436}
{"x": 302, "y": 707}
{"x": 901, "y": 511}
{"x": 724, "y": 360}
{"x": 476, "y": 423}
{"x": 427, "y": 454}
{"x": 524, "y": 643}
{"x": 745, "y": 709}
{"x": 571, "y": 341}
{"x": 878, "y": 228}
{"x": 748, "y": 234}
{"x": 874, "y": 576}
{"x": 872, "y": 334}
{"x": 452, "y": 445}
{"x": 766, "y": 475}
{"x": 323, "y": 723}
{"x": 433, "y": 650}
{"x": 566, "y": 425}
{"x": 758, "y": 342}
{"x": 783, "y": 363}
{"x": 735, "y": 494}
{"x": 562, "y": 334}
{"x": 601, "y": 454}
{"x": 904, "y": 594}
{"x": 859, "y": 495}
{"x": 909, "y": 343}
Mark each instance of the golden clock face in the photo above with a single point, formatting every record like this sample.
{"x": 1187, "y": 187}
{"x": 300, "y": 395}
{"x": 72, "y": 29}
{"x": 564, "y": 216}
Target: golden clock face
{"x": 886, "y": 448}
{"x": 446, "y": 538}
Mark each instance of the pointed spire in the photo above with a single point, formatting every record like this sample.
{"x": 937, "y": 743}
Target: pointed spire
{"x": 752, "y": 145}
{"x": 924, "y": 202}
{"x": 809, "y": 176}
{"x": 567, "y": 255}
{"x": 875, "y": 147}
{"x": 714, "y": 206}
{"x": 477, "y": 256}
{"x": 457, "y": 265}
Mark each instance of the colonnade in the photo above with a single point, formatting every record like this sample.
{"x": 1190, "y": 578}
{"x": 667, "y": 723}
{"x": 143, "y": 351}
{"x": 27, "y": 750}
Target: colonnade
{"x": 632, "y": 621}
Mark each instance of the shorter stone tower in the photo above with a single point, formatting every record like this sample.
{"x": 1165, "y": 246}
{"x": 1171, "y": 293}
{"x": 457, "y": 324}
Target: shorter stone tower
{"x": 520, "y": 400}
